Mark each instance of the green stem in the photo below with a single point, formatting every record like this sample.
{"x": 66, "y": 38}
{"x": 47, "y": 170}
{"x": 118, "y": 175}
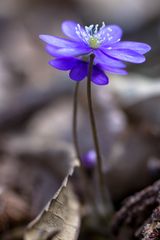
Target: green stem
{"x": 103, "y": 190}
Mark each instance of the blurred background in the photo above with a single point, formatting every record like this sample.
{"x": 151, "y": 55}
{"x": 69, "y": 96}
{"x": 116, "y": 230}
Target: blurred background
{"x": 36, "y": 104}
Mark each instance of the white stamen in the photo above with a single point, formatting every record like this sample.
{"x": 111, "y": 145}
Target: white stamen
{"x": 103, "y": 26}
{"x": 96, "y": 29}
{"x": 92, "y": 35}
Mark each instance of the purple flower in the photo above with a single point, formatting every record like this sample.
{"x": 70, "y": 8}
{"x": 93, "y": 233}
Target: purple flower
{"x": 104, "y": 42}
{"x": 89, "y": 159}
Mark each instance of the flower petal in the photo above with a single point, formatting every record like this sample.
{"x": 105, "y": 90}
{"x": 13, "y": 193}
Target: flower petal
{"x": 113, "y": 70}
{"x": 126, "y": 55}
{"x": 58, "y": 42}
{"x": 53, "y": 51}
{"x": 112, "y": 33}
{"x": 69, "y": 29}
{"x": 141, "y": 48}
{"x": 66, "y": 52}
{"x": 63, "y": 63}
{"x": 79, "y": 71}
{"x": 99, "y": 77}
{"x": 103, "y": 58}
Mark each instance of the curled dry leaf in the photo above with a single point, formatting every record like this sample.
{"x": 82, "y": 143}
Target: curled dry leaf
{"x": 60, "y": 219}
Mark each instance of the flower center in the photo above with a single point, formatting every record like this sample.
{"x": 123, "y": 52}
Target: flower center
{"x": 92, "y": 35}
{"x": 93, "y": 42}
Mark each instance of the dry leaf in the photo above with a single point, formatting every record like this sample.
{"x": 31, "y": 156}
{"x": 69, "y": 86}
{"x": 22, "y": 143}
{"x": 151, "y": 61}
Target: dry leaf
{"x": 60, "y": 220}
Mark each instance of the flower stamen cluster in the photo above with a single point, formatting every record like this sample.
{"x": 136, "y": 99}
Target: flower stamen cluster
{"x": 92, "y": 35}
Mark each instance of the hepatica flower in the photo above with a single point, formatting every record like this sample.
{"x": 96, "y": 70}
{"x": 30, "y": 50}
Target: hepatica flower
{"x": 104, "y": 42}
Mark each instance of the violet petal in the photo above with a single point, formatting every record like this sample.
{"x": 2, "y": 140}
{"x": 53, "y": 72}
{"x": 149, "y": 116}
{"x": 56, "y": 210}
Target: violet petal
{"x": 103, "y": 58}
{"x": 125, "y": 55}
{"x": 69, "y": 29}
{"x": 112, "y": 33}
{"x": 66, "y": 52}
{"x": 141, "y": 48}
{"x": 79, "y": 71}
{"x": 112, "y": 69}
{"x": 99, "y": 77}
{"x": 58, "y": 42}
{"x": 63, "y": 63}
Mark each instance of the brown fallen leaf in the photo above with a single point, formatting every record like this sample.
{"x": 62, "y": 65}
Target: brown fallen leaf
{"x": 61, "y": 217}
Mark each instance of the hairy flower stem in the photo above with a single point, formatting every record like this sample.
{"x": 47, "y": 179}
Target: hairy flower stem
{"x": 75, "y": 107}
{"x": 103, "y": 190}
